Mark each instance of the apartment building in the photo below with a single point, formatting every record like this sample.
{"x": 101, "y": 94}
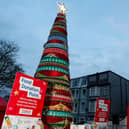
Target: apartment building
{"x": 107, "y": 85}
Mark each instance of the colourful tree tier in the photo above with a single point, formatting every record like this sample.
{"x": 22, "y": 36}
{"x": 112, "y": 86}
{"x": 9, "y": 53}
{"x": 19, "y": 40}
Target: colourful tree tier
{"x": 54, "y": 68}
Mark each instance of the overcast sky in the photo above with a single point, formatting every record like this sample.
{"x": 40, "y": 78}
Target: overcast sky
{"x": 98, "y": 33}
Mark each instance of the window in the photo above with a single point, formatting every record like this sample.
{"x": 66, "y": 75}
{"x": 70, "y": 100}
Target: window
{"x": 92, "y": 106}
{"x": 94, "y": 91}
{"x": 75, "y": 119}
{"x": 75, "y": 82}
{"x": 103, "y": 76}
{"x": 73, "y": 93}
{"x": 84, "y": 92}
{"x": 84, "y": 81}
{"x": 82, "y": 107}
{"x": 75, "y": 107}
{"x": 77, "y": 93}
{"x": 82, "y": 119}
{"x": 92, "y": 78}
{"x": 105, "y": 91}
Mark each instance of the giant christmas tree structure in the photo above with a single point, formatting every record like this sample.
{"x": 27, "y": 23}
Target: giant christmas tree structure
{"x": 54, "y": 68}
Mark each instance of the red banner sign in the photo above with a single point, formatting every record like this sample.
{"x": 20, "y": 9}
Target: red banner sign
{"x": 25, "y": 103}
{"x": 27, "y": 96}
{"x": 102, "y": 110}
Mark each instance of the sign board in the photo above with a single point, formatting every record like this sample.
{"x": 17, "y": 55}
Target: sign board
{"x": 102, "y": 110}
{"x": 98, "y": 125}
{"x": 25, "y": 104}
{"x": 73, "y": 126}
{"x": 87, "y": 126}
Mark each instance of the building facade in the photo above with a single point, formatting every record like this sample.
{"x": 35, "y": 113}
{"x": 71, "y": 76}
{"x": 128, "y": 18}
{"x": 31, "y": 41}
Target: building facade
{"x": 107, "y": 85}
{"x": 79, "y": 92}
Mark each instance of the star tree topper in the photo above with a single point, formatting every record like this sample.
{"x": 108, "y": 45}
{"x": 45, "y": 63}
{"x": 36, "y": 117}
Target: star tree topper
{"x": 62, "y": 8}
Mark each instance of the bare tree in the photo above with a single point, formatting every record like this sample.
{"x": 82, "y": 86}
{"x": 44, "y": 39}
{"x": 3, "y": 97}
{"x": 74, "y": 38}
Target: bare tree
{"x": 8, "y": 64}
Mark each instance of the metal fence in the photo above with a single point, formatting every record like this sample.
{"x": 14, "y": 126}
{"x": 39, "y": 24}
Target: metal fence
{"x": 122, "y": 125}
{"x": 117, "y": 127}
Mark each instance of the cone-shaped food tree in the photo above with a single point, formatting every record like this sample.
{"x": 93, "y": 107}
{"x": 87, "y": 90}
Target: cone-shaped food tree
{"x": 54, "y": 68}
